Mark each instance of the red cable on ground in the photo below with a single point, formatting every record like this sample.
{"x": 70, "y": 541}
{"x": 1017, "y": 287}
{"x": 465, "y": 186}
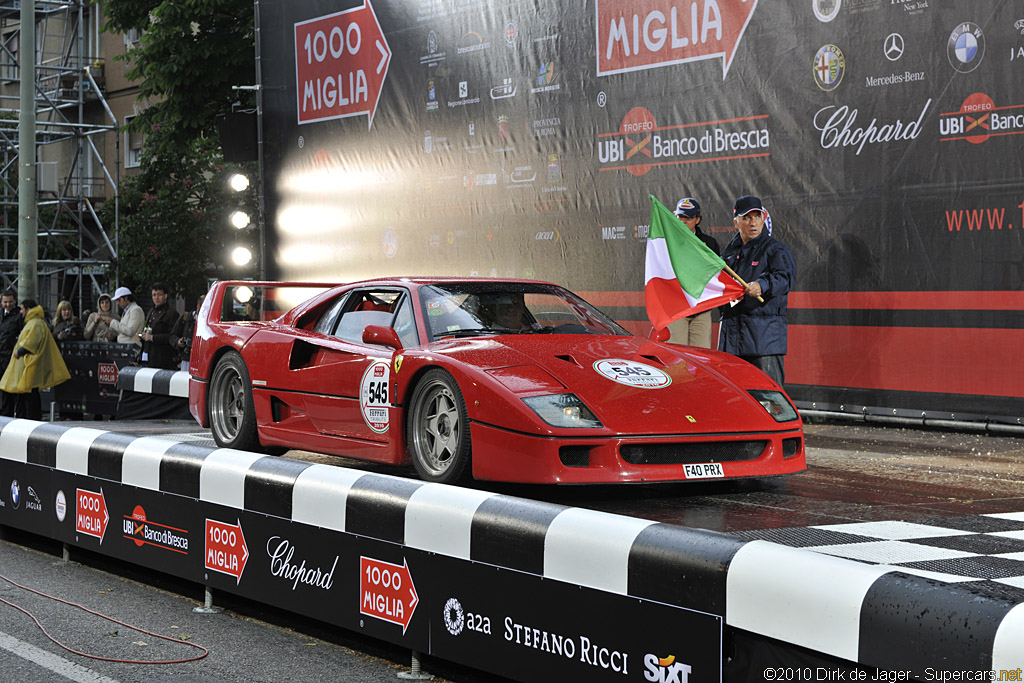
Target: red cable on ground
{"x": 102, "y": 616}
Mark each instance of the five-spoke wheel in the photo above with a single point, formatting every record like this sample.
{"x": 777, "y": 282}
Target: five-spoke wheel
{"x": 438, "y": 429}
{"x": 232, "y": 418}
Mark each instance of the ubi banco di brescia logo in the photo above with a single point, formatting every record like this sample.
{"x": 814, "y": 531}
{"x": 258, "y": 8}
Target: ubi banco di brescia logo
{"x": 568, "y": 646}
{"x": 281, "y": 551}
{"x": 839, "y": 129}
{"x": 640, "y": 144}
{"x": 142, "y": 531}
{"x": 978, "y": 119}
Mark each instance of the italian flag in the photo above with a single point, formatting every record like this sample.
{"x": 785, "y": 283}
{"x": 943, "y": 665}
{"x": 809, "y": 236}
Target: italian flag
{"x": 683, "y": 276}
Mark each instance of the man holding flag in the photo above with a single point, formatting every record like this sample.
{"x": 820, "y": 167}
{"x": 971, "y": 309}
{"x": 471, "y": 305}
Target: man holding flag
{"x": 684, "y": 277}
{"x": 755, "y": 329}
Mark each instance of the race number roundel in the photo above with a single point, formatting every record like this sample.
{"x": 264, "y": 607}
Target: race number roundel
{"x": 373, "y": 396}
{"x": 632, "y": 373}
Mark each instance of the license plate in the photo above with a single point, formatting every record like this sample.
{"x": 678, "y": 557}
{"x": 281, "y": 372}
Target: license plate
{"x": 707, "y": 470}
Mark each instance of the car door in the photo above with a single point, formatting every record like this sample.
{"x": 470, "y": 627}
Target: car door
{"x": 347, "y": 383}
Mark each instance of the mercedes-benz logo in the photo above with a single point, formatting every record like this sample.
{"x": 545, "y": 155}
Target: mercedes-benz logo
{"x": 893, "y": 47}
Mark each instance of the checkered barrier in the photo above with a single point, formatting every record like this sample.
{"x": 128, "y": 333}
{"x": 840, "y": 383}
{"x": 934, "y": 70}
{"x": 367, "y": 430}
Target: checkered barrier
{"x": 502, "y": 583}
{"x": 153, "y": 381}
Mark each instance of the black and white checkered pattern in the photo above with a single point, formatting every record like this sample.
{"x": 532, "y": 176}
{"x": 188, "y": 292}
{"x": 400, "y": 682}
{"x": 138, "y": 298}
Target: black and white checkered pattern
{"x": 874, "y": 614}
{"x": 977, "y": 551}
{"x": 153, "y": 381}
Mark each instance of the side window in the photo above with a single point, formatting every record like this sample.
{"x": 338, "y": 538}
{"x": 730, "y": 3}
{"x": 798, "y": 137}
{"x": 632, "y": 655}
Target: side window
{"x": 366, "y": 307}
{"x": 325, "y": 325}
{"x": 405, "y": 324}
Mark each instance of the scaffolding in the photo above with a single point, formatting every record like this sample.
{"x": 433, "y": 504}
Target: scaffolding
{"x": 76, "y": 250}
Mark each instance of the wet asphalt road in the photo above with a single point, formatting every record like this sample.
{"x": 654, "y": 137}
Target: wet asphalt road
{"x": 856, "y": 473}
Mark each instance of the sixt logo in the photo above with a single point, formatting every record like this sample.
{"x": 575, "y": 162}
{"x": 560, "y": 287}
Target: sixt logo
{"x": 665, "y": 669}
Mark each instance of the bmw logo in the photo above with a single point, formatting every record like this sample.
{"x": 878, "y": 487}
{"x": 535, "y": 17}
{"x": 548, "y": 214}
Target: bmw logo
{"x": 15, "y": 494}
{"x": 966, "y": 47}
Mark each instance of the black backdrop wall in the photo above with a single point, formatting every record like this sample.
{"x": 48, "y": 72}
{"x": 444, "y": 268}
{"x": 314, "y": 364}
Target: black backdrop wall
{"x": 522, "y": 138}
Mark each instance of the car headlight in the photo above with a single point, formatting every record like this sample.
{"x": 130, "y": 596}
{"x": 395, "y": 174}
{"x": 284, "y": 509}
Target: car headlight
{"x": 562, "y": 410}
{"x": 776, "y": 403}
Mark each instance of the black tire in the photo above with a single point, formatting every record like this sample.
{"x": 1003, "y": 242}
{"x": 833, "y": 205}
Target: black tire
{"x": 232, "y": 417}
{"x": 437, "y": 430}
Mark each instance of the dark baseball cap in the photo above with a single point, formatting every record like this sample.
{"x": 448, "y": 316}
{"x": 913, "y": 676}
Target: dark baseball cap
{"x": 688, "y": 207}
{"x": 746, "y": 204}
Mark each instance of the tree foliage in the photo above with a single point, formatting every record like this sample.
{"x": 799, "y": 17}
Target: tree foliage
{"x": 174, "y": 218}
{"x": 190, "y": 54}
{"x": 174, "y": 225}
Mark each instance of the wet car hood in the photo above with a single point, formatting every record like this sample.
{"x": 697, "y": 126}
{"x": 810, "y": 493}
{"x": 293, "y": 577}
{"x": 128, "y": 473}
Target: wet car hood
{"x": 634, "y": 386}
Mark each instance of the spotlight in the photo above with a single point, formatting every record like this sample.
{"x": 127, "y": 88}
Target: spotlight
{"x": 243, "y": 294}
{"x": 239, "y": 182}
{"x": 239, "y": 219}
{"x": 241, "y": 256}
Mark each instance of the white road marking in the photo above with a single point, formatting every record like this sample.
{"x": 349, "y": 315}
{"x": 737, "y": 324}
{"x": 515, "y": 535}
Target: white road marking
{"x": 51, "y": 662}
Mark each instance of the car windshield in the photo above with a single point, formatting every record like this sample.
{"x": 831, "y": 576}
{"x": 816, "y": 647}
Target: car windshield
{"x": 468, "y": 309}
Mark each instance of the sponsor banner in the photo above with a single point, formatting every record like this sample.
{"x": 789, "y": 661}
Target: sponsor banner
{"x": 492, "y": 614}
{"x": 521, "y": 138}
{"x": 448, "y": 607}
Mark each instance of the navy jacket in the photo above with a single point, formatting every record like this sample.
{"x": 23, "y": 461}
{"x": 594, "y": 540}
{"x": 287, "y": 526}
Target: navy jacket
{"x": 751, "y": 328}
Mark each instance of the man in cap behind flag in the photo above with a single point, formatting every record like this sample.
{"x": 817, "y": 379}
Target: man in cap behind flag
{"x": 696, "y": 329}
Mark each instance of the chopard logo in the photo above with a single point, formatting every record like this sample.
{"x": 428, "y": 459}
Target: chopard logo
{"x": 838, "y": 126}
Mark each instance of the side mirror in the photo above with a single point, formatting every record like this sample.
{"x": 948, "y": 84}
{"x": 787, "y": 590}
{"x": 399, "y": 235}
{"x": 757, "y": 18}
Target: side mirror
{"x": 661, "y": 335}
{"x": 382, "y": 336}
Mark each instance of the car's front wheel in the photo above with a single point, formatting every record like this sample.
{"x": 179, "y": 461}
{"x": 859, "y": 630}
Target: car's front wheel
{"x": 232, "y": 417}
{"x": 438, "y": 429}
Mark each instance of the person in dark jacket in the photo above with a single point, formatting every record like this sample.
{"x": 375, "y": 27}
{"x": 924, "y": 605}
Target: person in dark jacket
{"x": 696, "y": 329}
{"x": 66, "y": 325}
{"x": 11, "y": 322}
{"x": 754, "y": 330}
{"x": 156, "y": 335}
{"x": 182, "y": 333}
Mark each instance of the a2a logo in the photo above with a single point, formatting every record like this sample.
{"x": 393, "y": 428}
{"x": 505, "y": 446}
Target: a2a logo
{"x": 665, "y": 669}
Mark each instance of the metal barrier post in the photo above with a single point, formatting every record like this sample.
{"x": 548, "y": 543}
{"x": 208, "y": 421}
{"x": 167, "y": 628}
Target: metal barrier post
{"x": 415, "y": 673}
{"x": 208, "y": 607}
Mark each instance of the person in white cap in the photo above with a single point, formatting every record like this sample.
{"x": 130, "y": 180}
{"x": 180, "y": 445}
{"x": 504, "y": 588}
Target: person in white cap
{"x": 132, "y": 318}
{"x": 696, "y": 329}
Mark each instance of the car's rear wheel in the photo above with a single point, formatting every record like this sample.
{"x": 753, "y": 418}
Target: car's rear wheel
{"x": 232, "y": 418}
{"x": 438, "y": 429}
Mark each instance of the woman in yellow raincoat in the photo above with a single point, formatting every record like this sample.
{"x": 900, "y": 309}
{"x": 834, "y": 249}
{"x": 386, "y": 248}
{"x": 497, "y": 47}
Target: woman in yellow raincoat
{"x": 35, "y": 364}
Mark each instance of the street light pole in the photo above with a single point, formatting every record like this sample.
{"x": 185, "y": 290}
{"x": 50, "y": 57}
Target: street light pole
{"x": 28, "y": 242}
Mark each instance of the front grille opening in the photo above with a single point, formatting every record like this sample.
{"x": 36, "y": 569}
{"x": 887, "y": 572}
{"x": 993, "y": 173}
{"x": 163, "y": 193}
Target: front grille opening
{"x": 574, "y": 456}
{"x": 690, "y": 453}
{"x": 790, "y": 447}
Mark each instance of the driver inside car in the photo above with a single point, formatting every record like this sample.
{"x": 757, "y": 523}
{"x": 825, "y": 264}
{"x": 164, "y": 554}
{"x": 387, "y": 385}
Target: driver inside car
{"x": 505, "y": 311}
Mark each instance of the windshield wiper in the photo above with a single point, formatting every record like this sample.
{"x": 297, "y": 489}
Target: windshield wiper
{"x": 467, "y": 332}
